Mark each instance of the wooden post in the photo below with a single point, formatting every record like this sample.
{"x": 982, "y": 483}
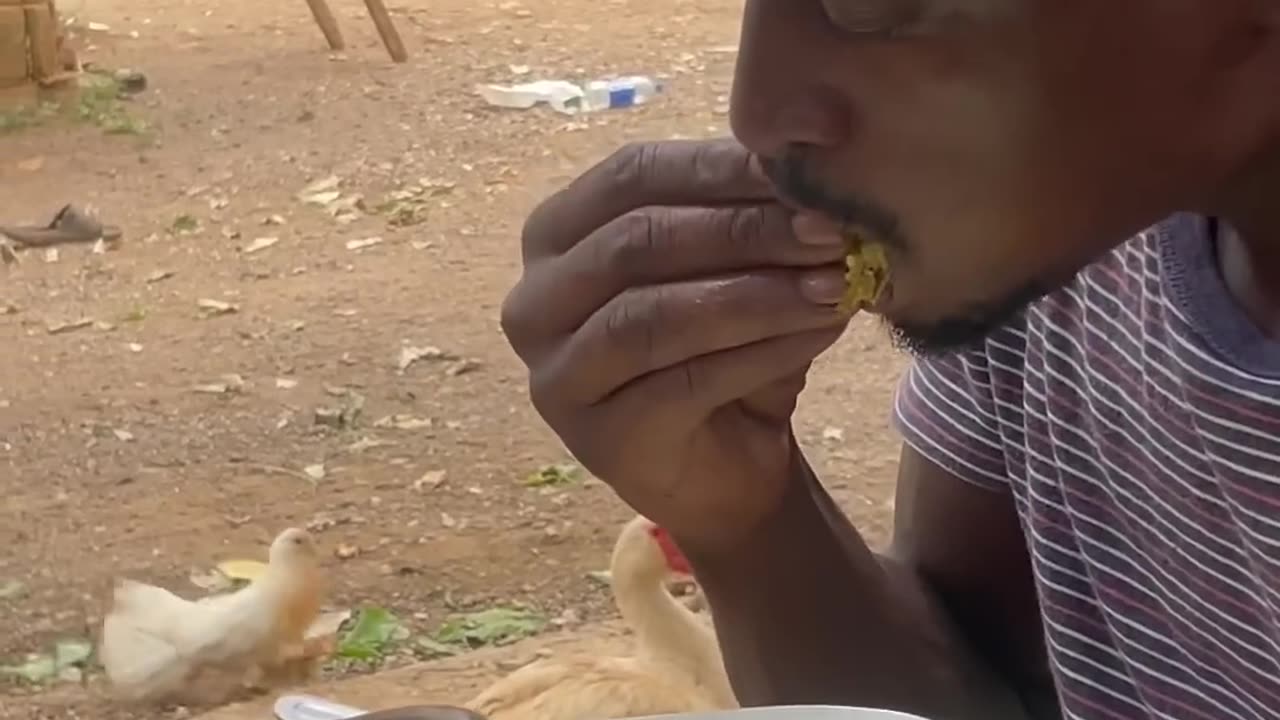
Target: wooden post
{"x": 15, "y": 68}
{"x": 387, "y": 30}
{"x": 42, "y": 42}
{"x": 328, "y": 25}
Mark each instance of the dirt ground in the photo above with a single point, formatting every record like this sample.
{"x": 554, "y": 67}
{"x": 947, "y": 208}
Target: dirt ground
{"x": 116, "y": 460}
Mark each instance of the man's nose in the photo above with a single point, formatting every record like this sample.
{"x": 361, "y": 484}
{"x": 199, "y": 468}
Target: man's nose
{"x": 782, "y": 89}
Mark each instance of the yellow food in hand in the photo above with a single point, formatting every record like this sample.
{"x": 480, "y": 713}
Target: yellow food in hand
{"x": 867, "y": 272}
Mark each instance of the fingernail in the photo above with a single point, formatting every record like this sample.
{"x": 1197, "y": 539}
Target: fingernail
{"x": 824, "y": 287}
{"x": 813, "y": 229}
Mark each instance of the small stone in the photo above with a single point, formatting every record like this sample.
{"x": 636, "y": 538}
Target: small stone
{"x": 430, "y": 480}
{"x": 130, "y": 82}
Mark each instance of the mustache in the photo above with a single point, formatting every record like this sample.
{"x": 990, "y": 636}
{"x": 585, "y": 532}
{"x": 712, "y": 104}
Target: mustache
{"x": 792, "y": 176}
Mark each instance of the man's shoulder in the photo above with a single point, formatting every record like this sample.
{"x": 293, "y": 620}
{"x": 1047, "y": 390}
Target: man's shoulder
{"x": 968, "y": 410}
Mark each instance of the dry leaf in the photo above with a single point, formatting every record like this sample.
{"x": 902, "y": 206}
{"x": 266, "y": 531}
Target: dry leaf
{"x": 362, "y": 244}
{"x": 346, "y": 210}
{"x": 364, "y": 444}
{"x": 71, "y": 326}
{"x": 230, "y": 383}
{"x": 260, "y": 244}
{"x": 404, "y": 422}
{"x": 213, "y": 308}
{"x": 321, "y": 198}
{"x": 410, "y": 355}
{"x": 321, "y": 187}
{"x": 462, "y": 367}
{"x": 430, "y": 480}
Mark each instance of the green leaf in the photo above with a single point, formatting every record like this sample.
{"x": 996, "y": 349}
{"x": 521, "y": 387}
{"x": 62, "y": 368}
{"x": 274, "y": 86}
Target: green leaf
{"x": 12, "y": 590}
{"x": 64, "y": 663}
{"x": 554, "y": 475}
{"x": 37, "y": 669}
{"x": 374, "y": 630}
{"x": 185, "y": 223}
{"x": 135, "y": 315}
{"x": 427, "y": 648}
{"x": 496, "y": 626}
{"x": 68, "y": 653}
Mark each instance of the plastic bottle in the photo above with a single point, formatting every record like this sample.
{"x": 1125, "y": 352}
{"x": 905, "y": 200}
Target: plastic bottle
{"x": 562, "y": 96}
{"x": 621, "y": 92}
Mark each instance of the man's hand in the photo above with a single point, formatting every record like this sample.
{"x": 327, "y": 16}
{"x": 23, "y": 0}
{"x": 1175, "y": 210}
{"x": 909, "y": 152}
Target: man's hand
{"x": 668, "y": 313}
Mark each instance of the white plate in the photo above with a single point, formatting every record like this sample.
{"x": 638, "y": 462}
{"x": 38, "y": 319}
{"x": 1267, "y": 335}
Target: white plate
{"x": 793, "y": 712}
{"x": 309, "y": 707}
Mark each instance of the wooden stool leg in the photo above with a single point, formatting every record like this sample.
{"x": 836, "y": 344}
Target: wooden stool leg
{"x": 390, "y": 38}
{"x": 328, "y": 25}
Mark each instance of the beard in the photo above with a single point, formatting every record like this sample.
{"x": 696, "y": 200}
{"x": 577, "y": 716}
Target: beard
{"x": 966, "y": 330}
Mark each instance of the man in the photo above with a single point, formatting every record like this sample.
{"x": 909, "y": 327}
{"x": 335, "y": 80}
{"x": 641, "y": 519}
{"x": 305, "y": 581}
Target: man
{"x": 1088, "y": 510}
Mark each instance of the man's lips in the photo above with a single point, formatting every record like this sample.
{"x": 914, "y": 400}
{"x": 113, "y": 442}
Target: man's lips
{"x": 815, "y": 229}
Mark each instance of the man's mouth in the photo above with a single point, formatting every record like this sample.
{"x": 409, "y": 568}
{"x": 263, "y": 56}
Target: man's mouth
{"x": 867, "y": 262}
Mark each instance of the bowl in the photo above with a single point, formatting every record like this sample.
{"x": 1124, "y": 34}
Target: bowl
{"x": 309, "y": 707}
{"x": 792, "y": 712}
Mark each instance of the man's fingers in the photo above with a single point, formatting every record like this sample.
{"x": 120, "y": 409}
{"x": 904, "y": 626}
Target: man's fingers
{"x": 686, "y": 394}
{"x": 652, "y": 246}
{"x": 665, "y": 173}
{"x": 650, "y": 328}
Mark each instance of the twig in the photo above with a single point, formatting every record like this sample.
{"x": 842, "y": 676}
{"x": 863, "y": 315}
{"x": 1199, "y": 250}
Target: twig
{"x": 278, "y": 470}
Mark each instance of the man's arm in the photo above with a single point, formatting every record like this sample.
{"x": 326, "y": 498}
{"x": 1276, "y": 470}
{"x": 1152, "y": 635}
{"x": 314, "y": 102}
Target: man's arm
{"x": 944, "y": 625}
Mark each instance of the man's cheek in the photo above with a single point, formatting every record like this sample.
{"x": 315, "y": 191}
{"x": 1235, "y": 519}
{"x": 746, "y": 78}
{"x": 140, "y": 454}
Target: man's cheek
{"x": 941, "y": 279}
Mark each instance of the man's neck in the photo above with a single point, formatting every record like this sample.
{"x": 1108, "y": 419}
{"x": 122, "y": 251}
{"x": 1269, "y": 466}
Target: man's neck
{"x": 1248, "y": 244}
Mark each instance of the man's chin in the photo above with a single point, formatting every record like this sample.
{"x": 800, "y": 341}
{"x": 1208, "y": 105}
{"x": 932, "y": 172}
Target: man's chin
{"x": 966, "y": 330}
{"x": 941, "y": 338}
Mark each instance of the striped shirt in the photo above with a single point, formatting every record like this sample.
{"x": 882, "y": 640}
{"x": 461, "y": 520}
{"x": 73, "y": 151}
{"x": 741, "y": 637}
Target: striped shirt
{"x": 1134, "y": 418}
